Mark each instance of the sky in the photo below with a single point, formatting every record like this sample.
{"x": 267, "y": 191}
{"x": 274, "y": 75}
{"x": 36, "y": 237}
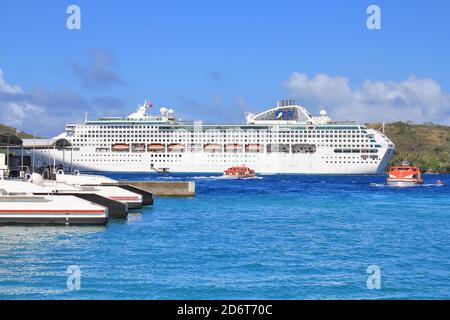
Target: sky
{"x": 215, "y": 60}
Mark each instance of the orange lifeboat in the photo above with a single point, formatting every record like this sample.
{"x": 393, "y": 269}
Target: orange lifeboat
{"x": 156, "y": 147}
{"x": 404, "y": 175}
{"x": 120, "y": 147}
{"x": 241, "y": 172}
{"x": 212, "y": 147}
{"x": 255, "y": 148}
{"x": 234, "y": 147}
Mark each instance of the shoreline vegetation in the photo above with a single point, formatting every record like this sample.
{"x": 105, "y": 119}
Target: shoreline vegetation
{"x": 425, "y": 145}
{"x": 20, "y": 134}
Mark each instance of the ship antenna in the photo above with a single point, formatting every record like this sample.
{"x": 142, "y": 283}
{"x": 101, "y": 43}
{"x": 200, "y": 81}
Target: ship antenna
{"x": 85, "y": 117}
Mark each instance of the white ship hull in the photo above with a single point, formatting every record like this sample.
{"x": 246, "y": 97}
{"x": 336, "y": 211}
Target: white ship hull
{"x": 321, "y": 162}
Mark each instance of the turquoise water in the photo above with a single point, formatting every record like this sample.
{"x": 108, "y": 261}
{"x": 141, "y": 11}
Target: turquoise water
{"x": 277, "y": 237}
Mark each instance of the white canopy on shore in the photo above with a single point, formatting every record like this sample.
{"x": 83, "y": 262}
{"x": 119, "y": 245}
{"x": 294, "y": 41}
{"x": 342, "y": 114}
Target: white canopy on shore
{"x": 45, "y": 143}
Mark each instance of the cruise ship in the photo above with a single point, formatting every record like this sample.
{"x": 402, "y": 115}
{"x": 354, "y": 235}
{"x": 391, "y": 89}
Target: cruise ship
{"x": 285, "y": 139}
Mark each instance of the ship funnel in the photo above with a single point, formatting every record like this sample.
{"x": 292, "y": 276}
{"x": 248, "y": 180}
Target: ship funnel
{"x": 286, "y": 103}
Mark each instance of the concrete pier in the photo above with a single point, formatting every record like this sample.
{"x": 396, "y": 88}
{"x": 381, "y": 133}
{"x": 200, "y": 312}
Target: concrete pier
{"x": 165, "y": 188}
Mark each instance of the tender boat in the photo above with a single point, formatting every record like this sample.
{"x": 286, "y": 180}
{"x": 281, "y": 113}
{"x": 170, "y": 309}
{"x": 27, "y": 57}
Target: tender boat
{"x": 241, "y": 172}
{"x": 404, "y": 175}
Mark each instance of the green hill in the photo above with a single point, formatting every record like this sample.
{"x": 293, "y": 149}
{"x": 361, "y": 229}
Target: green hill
{"x": 424, "y": 145}
{"x": 20, "y": 134}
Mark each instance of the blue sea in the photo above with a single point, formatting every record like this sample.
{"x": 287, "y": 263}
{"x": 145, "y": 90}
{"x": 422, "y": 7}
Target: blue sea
{"x": 274, "y": 237}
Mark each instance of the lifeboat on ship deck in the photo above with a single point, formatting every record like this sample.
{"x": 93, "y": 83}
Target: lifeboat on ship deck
{"x": 234, "y": 147}
{"x": 255, "y": 148}
{"x": 156, "y": 147}
{"x": 120, "y": 147}
{"x": 212, "y": 147}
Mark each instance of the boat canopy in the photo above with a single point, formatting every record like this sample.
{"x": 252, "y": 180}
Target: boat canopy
{"x": 9, "y": 139}
{"x": 46, "y": 143}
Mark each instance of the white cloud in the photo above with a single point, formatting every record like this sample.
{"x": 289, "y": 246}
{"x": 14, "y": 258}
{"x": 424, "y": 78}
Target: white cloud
{"x": 14, "y": 108}
{"x": 45, "y": 112}
{"x": 417, "y": 100}
{"x": 6, "y": 88}
{"x": 16, "y": 114}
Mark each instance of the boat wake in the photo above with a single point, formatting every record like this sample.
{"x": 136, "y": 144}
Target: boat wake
{"x": 384, "y": 185}
{"x": 207, "y": 177}
{"x": 379, "y": 185}
{"x": 168, "y": 178}
{"x": 225, "y": 178}
{"x": 202, "y": 178}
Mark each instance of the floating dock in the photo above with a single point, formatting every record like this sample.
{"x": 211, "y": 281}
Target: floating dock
{"x": 116, "y": 209}
{"x": 50, "y": 210}
{"x": 87, "y": 180}
{"x": 147, "y": 197}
